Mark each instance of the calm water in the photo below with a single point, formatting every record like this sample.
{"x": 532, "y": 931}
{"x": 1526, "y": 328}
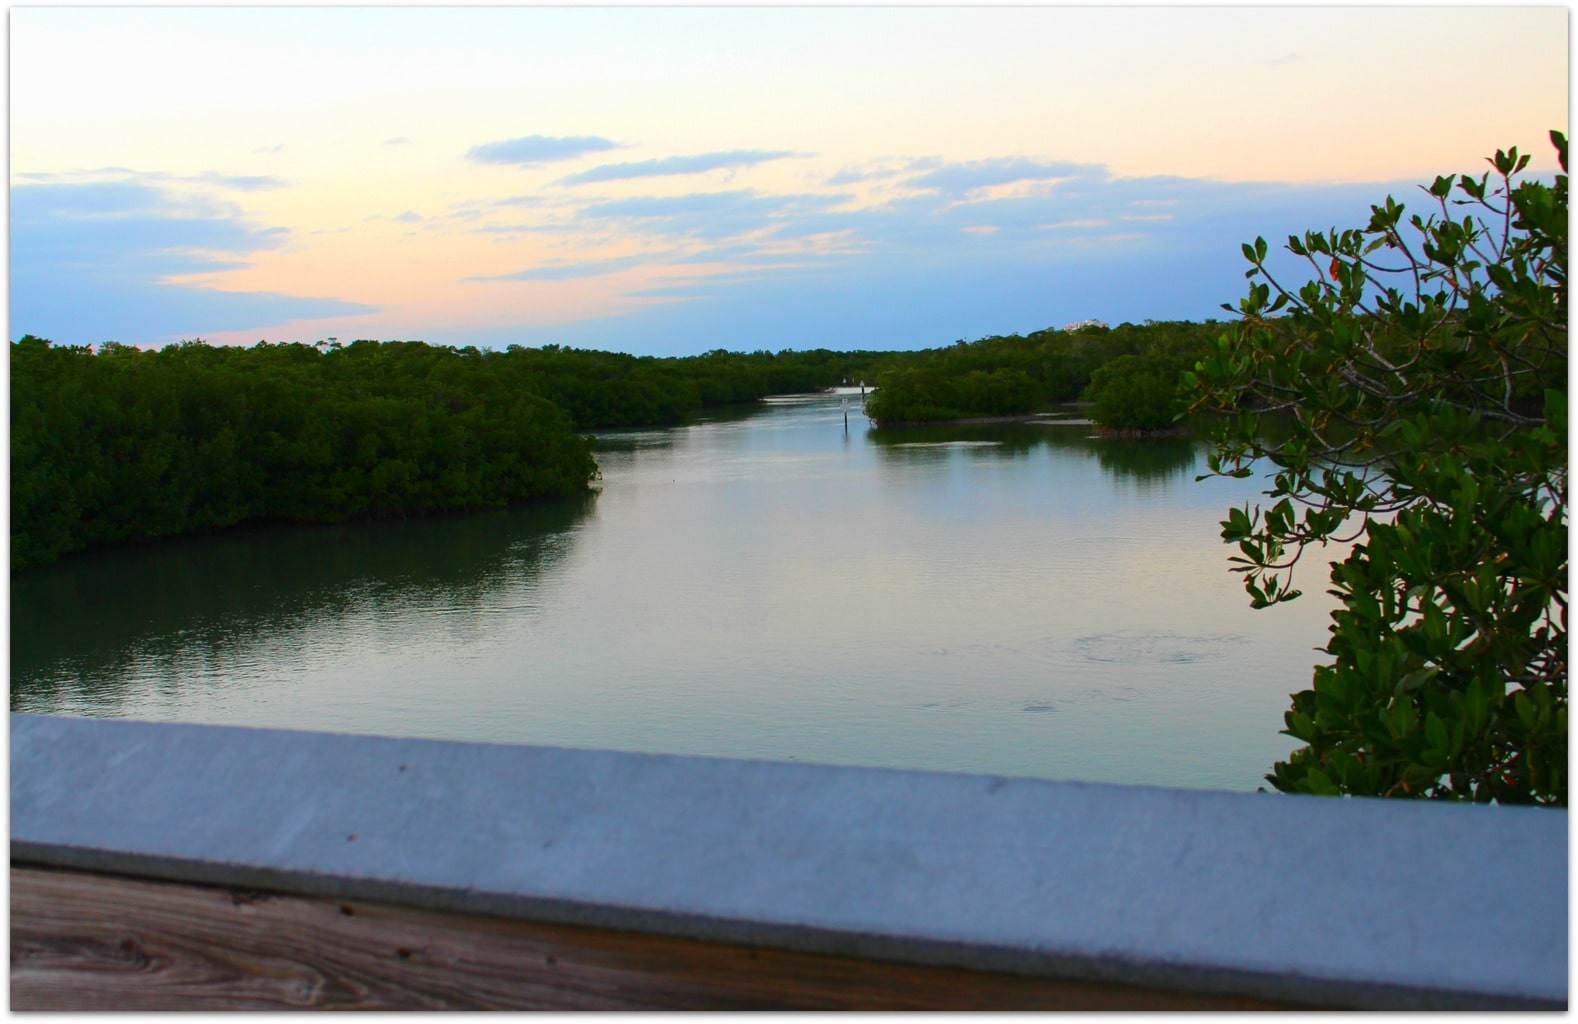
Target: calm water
{"x": 1020, "y": 599}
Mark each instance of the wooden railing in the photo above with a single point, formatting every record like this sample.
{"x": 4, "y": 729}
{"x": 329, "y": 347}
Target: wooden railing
{"x": 164, "y": 866}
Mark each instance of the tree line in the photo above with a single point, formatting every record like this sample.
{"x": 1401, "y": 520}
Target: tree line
{"x": 120, "y": 444}
{"x": 1130, "y": 374}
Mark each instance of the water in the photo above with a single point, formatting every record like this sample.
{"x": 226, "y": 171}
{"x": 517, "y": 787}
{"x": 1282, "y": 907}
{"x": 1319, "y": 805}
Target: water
{"x": 1020, "y": 599}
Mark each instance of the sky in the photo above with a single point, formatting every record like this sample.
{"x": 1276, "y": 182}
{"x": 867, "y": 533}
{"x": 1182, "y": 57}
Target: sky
{"x": 669, "y": 181}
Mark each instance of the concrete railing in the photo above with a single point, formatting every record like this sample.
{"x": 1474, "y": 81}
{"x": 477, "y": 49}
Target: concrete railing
{"x": 164, "y": 865}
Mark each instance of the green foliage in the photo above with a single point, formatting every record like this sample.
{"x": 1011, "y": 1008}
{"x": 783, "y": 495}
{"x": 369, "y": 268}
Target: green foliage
{"x": 1015, "y": 374}
{"x": 128, "y": 445}
{"x": 1137, "y": 393}
{"x": 998, "y": 376}
{"x": 924, "y": 394}
{"x": 611, "y": 389}
{"x": 1424, "y": 370}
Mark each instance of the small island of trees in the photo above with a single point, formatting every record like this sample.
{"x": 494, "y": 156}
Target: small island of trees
{"x": 1129, "y": 374}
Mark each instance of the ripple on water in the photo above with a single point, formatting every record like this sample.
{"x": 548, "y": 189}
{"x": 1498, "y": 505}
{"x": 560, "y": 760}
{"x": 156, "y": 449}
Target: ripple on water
{"x": 1130, "y": 647}
{"x": 953, "y": 704}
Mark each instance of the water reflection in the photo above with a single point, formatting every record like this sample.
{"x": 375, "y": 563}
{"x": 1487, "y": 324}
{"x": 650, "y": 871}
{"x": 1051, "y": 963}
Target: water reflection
{"x": 1150, "y": 460}
{"x": 632, "y": 440}
{"x": 1011, "y": 598}
{"x": 84, "y": 630}
{"x": 985, "y": 440}
{"x": 1147, "y": 461}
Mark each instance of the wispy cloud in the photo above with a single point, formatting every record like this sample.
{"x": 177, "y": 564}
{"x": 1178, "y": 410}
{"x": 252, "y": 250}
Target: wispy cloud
{"x": 526, "y": 201}
{"x": 732, "y": 254}
{"x": 481, "y": 209}
{"x": 243, "y": 182}
{"x": 533, "y": 150}
{"x": 709, "y": 215}
{"x": 854, "y": 176}
{"x": 958, "y": 259}
{"x": 568, "y": 271}
{"x": 962, "y": 179}
{"x": 233, "y": 182}
{"x": 956, "y": 227}
{"x": 506, "y": 229}
{"x": 880, "y": 171}
{"x": 696, "y": 164}
{"x": 129, "y": 227}
{"x": 93, "y": 261}
{"x": 408, "y": 217}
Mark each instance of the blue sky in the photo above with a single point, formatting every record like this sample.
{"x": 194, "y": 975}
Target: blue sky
{"x": 673, "y": 180}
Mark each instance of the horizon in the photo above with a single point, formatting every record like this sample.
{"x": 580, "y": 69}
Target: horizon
{"x": 669, "y": 181}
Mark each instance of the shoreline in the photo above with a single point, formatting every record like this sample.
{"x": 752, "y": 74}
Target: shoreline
{"x": 976, "y": 420}
{"x": 1119, "y": 432}
{"x": 1139, "y": 433}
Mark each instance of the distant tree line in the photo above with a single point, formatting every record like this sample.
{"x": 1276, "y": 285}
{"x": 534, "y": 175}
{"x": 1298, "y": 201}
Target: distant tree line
{"x": 1130, "y": 373}
{"x": 122, "y": 444}
{"x": 611, "y": 389}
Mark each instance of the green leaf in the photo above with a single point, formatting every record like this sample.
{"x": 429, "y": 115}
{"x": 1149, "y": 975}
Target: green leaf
{"x": 1320, "y": 784}
{"x": 1456, "y": 578}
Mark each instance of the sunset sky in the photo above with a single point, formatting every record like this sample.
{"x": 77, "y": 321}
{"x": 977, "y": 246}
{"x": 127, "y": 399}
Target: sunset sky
{"x": 674, "y": 180}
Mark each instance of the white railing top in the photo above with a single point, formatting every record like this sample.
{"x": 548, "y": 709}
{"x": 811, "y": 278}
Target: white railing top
{"x": 1340, "y": 902}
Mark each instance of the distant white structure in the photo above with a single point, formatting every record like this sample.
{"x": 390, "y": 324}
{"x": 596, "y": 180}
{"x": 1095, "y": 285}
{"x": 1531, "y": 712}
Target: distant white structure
{"x": 1077, "y": 324}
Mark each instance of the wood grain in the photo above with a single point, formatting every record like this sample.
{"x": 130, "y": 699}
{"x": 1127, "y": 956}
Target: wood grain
{"x": 88, "y": 942}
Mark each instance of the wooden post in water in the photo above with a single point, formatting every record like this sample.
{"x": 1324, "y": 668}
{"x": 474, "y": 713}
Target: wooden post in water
{"x": 845, "y": 403}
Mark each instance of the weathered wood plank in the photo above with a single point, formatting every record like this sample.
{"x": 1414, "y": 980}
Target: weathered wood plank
{"x": 86, "y": 942}
{"x": 1123, "y": 885}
